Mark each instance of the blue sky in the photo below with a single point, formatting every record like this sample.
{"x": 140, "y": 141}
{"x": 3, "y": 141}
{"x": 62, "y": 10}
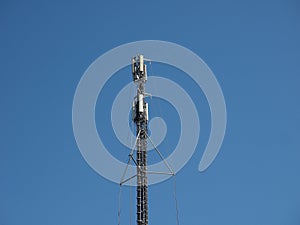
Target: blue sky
{"x": 253, "y": 49}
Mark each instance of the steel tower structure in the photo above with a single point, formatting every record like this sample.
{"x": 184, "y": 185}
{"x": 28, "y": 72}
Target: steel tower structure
{"x": 140, "y": 118}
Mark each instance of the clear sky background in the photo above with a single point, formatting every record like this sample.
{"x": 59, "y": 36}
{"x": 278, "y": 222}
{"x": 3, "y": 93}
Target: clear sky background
{"x": 252, "y": 47}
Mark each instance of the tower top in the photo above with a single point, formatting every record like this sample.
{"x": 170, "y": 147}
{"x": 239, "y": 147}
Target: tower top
{"x": 139, "y": 69}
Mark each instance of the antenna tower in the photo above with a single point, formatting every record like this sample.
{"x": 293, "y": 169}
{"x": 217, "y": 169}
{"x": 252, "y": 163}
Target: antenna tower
{"x": 140, "y": 118}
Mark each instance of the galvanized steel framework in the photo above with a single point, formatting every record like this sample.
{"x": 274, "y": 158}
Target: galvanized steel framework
{"x": 140, "y": 118}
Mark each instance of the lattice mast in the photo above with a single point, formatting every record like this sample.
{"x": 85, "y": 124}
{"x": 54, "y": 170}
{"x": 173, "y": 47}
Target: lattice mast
{"x": 140, "y": 118}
